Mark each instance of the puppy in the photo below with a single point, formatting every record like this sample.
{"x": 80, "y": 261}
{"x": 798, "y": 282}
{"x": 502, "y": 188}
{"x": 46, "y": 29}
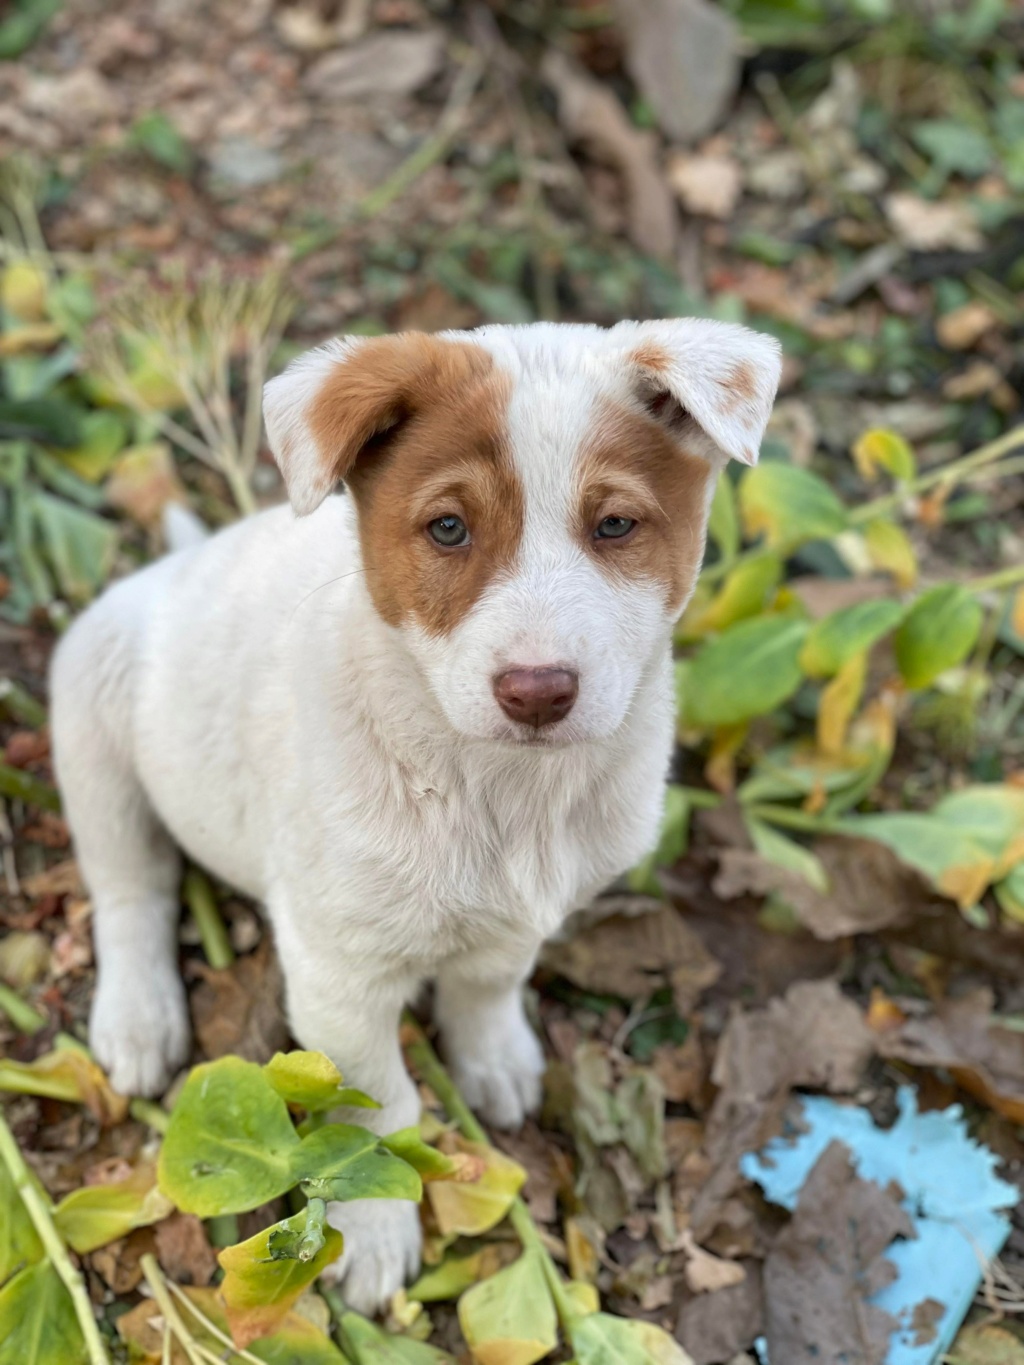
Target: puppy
{"x": 422, "y": 721}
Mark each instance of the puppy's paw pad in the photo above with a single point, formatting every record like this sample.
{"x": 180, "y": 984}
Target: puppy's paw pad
{"x": 139, "y": 1033}
{"x": 383, "y": 1240}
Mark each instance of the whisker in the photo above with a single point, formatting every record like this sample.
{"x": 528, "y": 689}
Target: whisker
{"x": 313, "y": 591}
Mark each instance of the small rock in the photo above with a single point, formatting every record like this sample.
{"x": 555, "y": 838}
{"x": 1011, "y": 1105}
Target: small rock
{"x": 382, "y": 65}
{"x": 243, "y": 164}
{"x": 925, "y": 225}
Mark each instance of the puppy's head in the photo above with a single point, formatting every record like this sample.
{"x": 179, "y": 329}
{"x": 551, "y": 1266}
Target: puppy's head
{"x": 532, "y": 501}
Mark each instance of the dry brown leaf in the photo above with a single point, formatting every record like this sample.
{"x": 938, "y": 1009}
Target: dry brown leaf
{"x": 632, "y": 956}
{"x": 682, "y": 1070}
{"x": 933, "y": 225}
{"x": 827, "y": 1262}
{"x": 708, "y": 185}
{"x": 238, "y": 1009}
{"x": 705, "y": 1273}
{"x": 964, "y": 327}
{"x": 62, "y": 879}
{"x": 144, "y": 480}
{"x": 592, "y": 115}
{"x": 718, "y": 1325}
{"x": 183, "y": 1250}
{"x": 383, "y": 65}
{"x": 684, "y": 56}
{"x": 961, "y": 1037}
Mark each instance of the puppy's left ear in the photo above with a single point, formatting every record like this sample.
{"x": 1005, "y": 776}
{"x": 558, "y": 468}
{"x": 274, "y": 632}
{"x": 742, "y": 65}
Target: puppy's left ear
{"x": 716, "y": 375}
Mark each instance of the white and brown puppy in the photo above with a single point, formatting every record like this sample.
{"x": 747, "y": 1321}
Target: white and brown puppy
{"x": 422, "y": 722}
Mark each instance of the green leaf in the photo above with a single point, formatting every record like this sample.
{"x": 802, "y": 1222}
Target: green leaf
{"x": 835, "y": 639}
{"x": 938, "y": 632}
{"x": 19, "y": 1241}
{"x": 371, "y": 1345}
{"x": 230, "y": 1145}
{"x": 723, "y": 520}
{"x": 882, "y": 449}
{"x": 67, "y": 1074}
{"x": 103, "y": 435}
{"x": 156, "y": 135}
{"x": 953, "y": 146}
{"x": 38, "y": 1325}
{"x": 745, "y": 593}
{"x": 313, "y": 1081}
{"x": 470, "y": 1207}
{"x": 603, "y": 1340}
{"x": 789, "y": 506}
{"x": 672, "y": 842}
{"x": 1010, "y": 894}
{"x": 427, "y": 1161}
{"x": 94, "y": 1215}
{"x": 341, "y": 1161}
{"x": 747, "y": 671}
{"x": 79, "y": 545}
{"x": 19, "y": 30}
{"x": 454, "y": 1275}
{"x": 787, "y": 853}
{"x": 510, "y": 1319}
{"x": 889, "y": 549}
{"x": 259, "y": 1290}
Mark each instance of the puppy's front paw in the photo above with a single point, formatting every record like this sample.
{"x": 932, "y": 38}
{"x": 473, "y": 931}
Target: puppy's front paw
{"x": 139, "y": 1029}
{"x": 383, "y": 1240}
{"x": 501, "y": 1082}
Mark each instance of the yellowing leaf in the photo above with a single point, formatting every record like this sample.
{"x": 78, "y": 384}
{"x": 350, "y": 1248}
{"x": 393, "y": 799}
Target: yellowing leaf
{"x": 881, "y": 449}
{"x": 23, "y": 289}
{"x": 937, "y": 633}
{"x": 94, "y": 1215}
{"x": 470, "y": 1208}
{"x": 31, "y": 336}
{"x": 457, "y": 1273}
{"x": 143, "y": 481}
{"x": 986, "y": 1343}
{"x": 747, "y": 671}
{"x": 837, "y": 638}
{"x": 103, "y": 435}
{"x": 257, "y": 1290}
{"x": 838, "y": 701}
{"x": 66, "y": 1074}
{"x": 311, "y": 1079}
{"x": 726, "y": 742}
{"x": 38, "y": 1325}
{"x": 1010, "y": 894}
{"x": 789, "y": 506}
{"x": 1017, "y": 613}
{"x": 510, "y": 1318}
{"x": 745, "y": 592}
{"x": 604, "y": 1340}
{"x": 890, "y": 550}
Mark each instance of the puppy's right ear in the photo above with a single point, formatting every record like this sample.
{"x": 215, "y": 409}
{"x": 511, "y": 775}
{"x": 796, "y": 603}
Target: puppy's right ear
{"x": 340, "y": 402}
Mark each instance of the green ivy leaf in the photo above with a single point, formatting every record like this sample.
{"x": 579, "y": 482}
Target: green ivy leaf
{"x": 938, "y": 632}
{"x": 38, "y": 1325}
{"x": 313, "y": 1081}
{"x": 510, "y": 1319}
{"x": 747, "y": 671}
{"x": 230, "y": 1144}
{"x": 341, "y": 1161}
{"x": 882, "y": 449}
{"x": 835, "y": 639}
{"x": 789, "y": 506}
{"x": 257, "y": 1289}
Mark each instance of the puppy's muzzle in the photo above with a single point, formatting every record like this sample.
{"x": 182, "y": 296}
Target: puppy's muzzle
{"x": 536, "y": 696}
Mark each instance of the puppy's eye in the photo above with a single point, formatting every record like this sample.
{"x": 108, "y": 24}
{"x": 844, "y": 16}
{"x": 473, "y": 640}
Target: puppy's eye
{"x": 614, "y": 528}
{"x": 449, "y": 531}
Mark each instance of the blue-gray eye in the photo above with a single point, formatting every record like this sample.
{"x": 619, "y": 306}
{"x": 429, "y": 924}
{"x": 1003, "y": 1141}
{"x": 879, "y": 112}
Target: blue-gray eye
{"x": 614, "y": 528}
{"x": 449, "y": 532}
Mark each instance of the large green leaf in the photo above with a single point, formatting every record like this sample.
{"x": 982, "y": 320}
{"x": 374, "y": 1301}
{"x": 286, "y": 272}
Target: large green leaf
{"x": 38, "y": 1325}
{"x": 835, "y": 639}
{"x": 230, "y": 1145}
{"x": 371, "y": 1345}
{"x": 789, "y": 506}
{"x": 258, "y": 1289}
{"x": 938, "y": 632}
{"x": 19, "y": 1241}
{"x": 341, "y": 1161}
{"x": 94, "y": 1215}
{"x": 79, "y": 545}
{"x": 510, "y": 1319}
{"x": 746, "y": 591}
{"x": 747, "y": 671}
{"x": 603, "y": 1340}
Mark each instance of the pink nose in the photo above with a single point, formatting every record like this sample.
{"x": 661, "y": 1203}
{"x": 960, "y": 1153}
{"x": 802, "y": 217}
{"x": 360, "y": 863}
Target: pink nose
{"x": 536, "y": 696}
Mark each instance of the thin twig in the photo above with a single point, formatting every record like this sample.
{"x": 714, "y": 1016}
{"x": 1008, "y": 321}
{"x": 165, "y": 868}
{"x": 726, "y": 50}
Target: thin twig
{"x": 60, "y": 1259}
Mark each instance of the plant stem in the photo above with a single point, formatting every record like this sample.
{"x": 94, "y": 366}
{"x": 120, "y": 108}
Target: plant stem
{"x": 210, "y": 1327}
{"x": 432, "y": 1070}
{"x": 167, "y": 1306}
{"x": 201, "y": 901}
{"x": 21, "y": 705}
{"x": 312, "y": 1239}
{"x": 10, "y": 1154}
{"x": 1002, "y": 578}
{"x": 23, "y": 787}
{"x": 222, "y": 1229}
{"x": 791, "y": 818}
{"x": 146, "y": 1111}
{"x": 338, "y": 1308}
{"x": 25, "y": 1017}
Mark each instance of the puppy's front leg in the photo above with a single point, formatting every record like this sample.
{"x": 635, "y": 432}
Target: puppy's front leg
{"x": 494, "y": 1054}
{"x": 351, "y": 1011}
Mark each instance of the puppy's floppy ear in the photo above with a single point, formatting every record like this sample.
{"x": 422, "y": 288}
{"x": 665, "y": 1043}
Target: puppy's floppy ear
{"x": 720, "y": 375}
{"x": 342, "y": 400}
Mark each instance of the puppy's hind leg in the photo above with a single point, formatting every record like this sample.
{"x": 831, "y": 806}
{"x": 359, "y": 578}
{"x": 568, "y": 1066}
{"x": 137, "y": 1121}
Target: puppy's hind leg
{"x": 138, "y": 1025}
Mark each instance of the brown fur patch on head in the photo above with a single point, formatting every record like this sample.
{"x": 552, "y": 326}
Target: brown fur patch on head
{"x": 633, "y": 467}
{"x": 416, "y": 427}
